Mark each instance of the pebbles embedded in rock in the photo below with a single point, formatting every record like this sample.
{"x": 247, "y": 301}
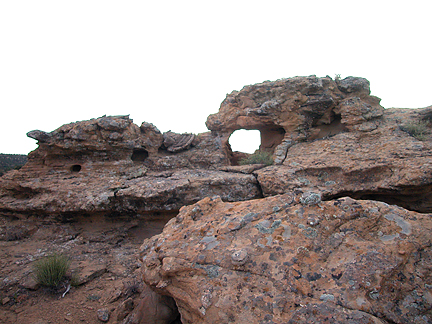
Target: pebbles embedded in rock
{"x": 239, "y": 257}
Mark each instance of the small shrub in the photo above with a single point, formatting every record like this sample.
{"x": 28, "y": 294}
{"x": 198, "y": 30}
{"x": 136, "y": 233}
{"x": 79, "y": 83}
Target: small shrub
{"x": 417, "y": 129}
{"x": 50, "y": 271}
{"x": 259, "y": 157}
{"x": 131, "y": 287}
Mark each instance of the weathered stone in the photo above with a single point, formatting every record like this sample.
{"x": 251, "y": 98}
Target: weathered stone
{"x": 103, "y": 315}
{"x": 293, "y": 110}
{"x": 5, "y": 300}
{"x": 153, "y": 138}
{"x": 38, "y": 135}
{"x": 387, "y": 164}
{"x": 88, "y": 271}
{"x": 177, "y": 142}
{"x": 294, "y": 263}
{"x": 351, "y": 84}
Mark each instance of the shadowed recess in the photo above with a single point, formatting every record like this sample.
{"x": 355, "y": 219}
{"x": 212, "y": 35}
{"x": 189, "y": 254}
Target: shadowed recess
{"x": 139, "y": 155}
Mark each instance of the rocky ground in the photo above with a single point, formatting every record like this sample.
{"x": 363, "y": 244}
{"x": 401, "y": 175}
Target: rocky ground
{"x": 103, "y": 254}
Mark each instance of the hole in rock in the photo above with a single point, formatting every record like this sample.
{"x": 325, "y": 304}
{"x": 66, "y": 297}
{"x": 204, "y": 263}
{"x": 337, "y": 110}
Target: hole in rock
{"x": 245, "y": 141}
{"x": 75, "y": 168}
{"x": 139, "y": 155}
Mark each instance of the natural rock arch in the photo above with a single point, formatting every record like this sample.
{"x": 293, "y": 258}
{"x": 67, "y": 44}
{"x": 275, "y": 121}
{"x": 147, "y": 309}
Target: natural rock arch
{"x": 246, "y": 141}
{"x": 270, "y": 138}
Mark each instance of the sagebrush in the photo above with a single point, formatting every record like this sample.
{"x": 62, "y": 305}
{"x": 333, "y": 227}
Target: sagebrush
{"x": 259, "y": 157}
{"x": 51, "y": 270}
{"x": 418, "y": 129}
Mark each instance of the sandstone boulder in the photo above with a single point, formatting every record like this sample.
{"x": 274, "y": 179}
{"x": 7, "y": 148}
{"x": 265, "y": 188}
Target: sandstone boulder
{"x": 287, "y": 259}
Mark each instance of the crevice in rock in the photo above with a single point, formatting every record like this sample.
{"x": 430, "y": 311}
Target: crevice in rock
{"x": 271, "y": 138}
{"x": 260, "y": 190}
{"x": 414, "y": 198}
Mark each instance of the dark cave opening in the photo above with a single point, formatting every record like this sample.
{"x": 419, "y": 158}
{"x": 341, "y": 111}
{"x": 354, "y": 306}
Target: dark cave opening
{"x": 75, "y": 168}
{"x": 139, "y": 155}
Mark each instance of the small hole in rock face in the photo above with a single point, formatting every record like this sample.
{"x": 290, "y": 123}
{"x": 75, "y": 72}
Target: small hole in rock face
{"x": 76, "y": 168}
{"x": 139, "y": 155}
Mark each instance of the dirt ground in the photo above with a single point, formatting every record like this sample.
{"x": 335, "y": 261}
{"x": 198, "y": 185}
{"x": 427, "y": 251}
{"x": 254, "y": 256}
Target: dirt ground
{"x": 104, "y": 264}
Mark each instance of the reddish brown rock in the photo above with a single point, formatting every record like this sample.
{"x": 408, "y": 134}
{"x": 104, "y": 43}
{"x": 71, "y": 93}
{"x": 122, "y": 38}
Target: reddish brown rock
{"x": 294, "y": 259}
{"x": 327, "y": 135}
{"x": 130, "y": 191}
{"x": 298, "y": 109}
{"x": 386, "y": 164}
{"x": 111, "y": 165}
{"x": 117, "y": 138}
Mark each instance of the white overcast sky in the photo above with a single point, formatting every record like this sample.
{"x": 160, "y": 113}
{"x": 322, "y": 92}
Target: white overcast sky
{"x": 172, "y": 63}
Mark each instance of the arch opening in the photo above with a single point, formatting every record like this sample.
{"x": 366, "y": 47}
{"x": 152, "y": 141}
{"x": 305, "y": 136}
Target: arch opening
{"x": 139, "y": 155}
{"x": 245, "y": 141}
{"x": 242, "y": 142}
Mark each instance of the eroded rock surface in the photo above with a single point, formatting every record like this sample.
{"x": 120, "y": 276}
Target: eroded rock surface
{"x": 293, "y": 259}
{"x": 385, "y": 164}
{"x": 293, "y": 110}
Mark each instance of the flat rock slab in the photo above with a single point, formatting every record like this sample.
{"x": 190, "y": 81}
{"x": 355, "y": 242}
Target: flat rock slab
{"x": 88, "y": 270}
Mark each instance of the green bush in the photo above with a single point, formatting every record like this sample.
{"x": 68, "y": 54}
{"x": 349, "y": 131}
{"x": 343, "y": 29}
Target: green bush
{"x": 417, "y": 129}
{"x": 259, "y": 157}
{"x": 50, "y": 270}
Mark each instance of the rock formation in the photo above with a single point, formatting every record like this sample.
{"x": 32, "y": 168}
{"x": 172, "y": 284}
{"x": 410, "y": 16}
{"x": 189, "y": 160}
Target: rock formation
{"x": 335, "y": 230}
